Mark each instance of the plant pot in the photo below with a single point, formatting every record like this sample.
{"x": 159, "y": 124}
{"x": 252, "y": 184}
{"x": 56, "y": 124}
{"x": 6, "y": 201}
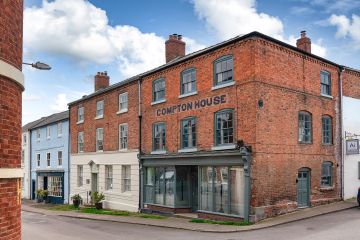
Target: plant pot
{"x": 76, "y": 203}
{"x": 98, "y": 205}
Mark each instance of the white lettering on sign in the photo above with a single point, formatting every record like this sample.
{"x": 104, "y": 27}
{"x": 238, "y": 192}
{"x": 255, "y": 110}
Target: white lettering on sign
{"x": 352, "y": 146}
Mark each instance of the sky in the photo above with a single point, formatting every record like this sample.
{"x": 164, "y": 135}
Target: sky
{"x": 78, "y": 38}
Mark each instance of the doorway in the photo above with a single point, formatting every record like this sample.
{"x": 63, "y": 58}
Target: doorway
{"x": 94, "y": 182}
{"x": 303, "y": 188}
{"x": 194, "y": 188}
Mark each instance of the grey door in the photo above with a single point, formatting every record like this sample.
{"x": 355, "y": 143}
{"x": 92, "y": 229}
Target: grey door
{"x": 194, "y": 188}
{"x": 303, "y": 188}
{"x": 94, "y": 182}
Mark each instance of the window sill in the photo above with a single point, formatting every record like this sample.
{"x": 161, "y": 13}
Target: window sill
{"x": 158, "y": 152}
{"x": 305, "y": 143}
{"x": 223, "y": 85}
{"x": 224, "y": 147}
{"x": 99, "y": 151}
{"x": 99, "y": 117}
{"x": 59, "y": 136}
{"x": 188, "y": 94}
{"x": 158, "y": 102}
{"x": 327, "y": 96}
{"x": 80, "y": 122}
{"x": 186, "y": 150}
{"x": 327, "y": 144}
{"x": 48, "y": 138}
{"x": 122, "y": 111}
{"x": 326, "y": 189}
{"x": 123, "y": 150}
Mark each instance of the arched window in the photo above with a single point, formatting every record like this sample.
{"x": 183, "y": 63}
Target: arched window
{"x": 188, "y": 81}
{"x": 305, "y": 127}
{"x": 326, "y": 174}
{"x": 223, "y": 70}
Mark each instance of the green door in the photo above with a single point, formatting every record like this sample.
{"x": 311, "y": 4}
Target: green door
{"x": 303, "y": 188}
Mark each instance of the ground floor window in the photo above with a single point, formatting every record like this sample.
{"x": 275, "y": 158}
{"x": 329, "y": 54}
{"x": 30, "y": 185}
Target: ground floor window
{"x": 55, "y": 186}
{"x": 222, "y": 189}
{"x": 159, "y": 185}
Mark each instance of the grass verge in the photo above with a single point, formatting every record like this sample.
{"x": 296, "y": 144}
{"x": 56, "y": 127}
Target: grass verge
{"x": 242, "y": 223}
{"x": 105, "y": 212}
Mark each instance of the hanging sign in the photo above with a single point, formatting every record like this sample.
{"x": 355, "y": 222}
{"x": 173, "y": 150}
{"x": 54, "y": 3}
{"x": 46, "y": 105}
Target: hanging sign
{"x": 352, "y": 146}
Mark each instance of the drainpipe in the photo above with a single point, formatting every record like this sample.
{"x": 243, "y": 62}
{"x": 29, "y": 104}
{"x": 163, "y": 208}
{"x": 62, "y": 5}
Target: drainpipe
{"x": 30, "y": 165}
{"x": 140, "y": 148}
{"x": 69, "y": 162}
{"x": 246, "y": 158}
{"x": 342, "y": 150}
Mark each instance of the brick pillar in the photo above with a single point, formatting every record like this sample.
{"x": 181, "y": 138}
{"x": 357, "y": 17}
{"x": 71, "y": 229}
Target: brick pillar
{"x": 11, "y": 87}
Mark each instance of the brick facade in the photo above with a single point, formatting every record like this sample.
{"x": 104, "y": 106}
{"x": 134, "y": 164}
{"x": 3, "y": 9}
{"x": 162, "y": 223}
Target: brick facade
{"x": 11, "y": 15}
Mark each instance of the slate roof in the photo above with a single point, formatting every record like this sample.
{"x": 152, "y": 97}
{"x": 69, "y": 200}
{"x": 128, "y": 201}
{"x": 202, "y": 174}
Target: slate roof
{"x": 56, "y": 117}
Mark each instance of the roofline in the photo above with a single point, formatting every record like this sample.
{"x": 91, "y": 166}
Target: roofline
{"x": 205, "y": 51}
{"x": 38, "y": 125}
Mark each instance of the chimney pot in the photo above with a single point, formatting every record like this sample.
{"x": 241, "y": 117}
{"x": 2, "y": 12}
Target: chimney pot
{"x": 174, "y": 47}
{"x": 304, "y": 43}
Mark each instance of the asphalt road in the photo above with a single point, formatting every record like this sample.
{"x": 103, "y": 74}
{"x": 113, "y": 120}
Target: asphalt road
{"x": 341, "y": 225}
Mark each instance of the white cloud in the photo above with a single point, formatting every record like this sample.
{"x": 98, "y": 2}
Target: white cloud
{"x": 334, "y": 5}
{"x": 61, "y": 102}
{"x": 78, "y": 29}
{"x": 347, "y": 27}
{"x": 30, "y": 97}
{"x": 229, "y": 18}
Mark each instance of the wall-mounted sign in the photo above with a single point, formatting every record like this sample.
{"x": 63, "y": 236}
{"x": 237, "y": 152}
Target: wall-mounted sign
{"x": 352, "y": 146}
{"x": 197, "y": 104}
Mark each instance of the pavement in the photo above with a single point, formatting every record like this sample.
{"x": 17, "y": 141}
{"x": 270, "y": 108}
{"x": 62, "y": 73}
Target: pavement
{"x": 184, "y": 224}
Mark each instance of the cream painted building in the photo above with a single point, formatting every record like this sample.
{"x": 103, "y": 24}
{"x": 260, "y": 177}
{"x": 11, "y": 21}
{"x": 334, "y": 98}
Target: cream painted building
{"x": 115, "y": 174}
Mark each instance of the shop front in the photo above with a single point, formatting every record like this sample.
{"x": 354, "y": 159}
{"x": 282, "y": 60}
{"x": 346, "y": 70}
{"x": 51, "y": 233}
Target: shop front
{"x": 210, "y": 184}
{"x": 53, "y": 182}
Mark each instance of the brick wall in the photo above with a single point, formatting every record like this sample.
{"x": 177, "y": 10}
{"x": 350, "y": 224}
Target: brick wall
{"x": 11, "y": 15}
{"x": 110, "y": 122}
{"x": 351, "y": 84}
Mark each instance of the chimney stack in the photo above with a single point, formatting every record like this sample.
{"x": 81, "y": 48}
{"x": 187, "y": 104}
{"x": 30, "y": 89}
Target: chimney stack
{"x": 304, "y": 43}
{"x": 102, "y": 80}
{"x": 174, "y": 47}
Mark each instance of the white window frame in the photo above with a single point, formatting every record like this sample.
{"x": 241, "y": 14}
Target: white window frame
{"x": 80, "y": 115}
{"x": 60, "y": 158}
{"x": 48, "y": 132}
{"x": 123, "y": 102}
{"x": 126, "y": 180}
{"x": 123, "y": 136}
{"x": 80, "y": 137}
{"x": 48, "y": 159}
{"x": 38, "y": 159}
{"x": 59, "y": 129}
{"x": 99, "y": 109}
{"x": 108, "y": 177}
{"x": 38, "y": 135}
{"x": 99, "y": 137}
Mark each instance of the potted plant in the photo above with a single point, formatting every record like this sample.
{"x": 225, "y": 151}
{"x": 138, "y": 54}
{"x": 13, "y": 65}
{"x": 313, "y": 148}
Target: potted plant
{"x": 98, "y": 198}
{"x": 45, "y": 194}
{"x": 76, "y": 200}
{"x": 39, "y": 195}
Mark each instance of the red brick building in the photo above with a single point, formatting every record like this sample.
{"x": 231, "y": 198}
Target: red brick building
{"x": 11, "y": 87}
{"x": 246, "y": 129}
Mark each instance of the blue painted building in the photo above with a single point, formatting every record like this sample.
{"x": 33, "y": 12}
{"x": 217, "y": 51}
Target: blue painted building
{"x": 49, "y": 153}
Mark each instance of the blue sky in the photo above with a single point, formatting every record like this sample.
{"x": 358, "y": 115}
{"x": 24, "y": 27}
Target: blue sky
{"x": 79, "y": 38}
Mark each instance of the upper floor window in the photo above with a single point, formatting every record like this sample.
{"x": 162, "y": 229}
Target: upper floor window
{"x": 123, "y": 102}
{"x": 59, "y": 129}
{"x": 325, "y": 83}
{"x": 24, "y": 139}
{"x": 223, "y": 70}
{"x": 123, "y": 136}
{"x": 38, "y": 159}
{"x": 48, "y": 159}
{"x": 305, "y": 126}
{"x": 80, "y": 114}
{"x": 326, "y": 174}
{"x": 48, "y": 132}
{"x": 108, "y": 177}
{"x": 188, "y": 81}
{"x": 159, "y": 136}
{"x": 326, "y": 130}
{"x": 60, "y": 156}
{"x": 159, "y": 90}
{"x": 81, "y": 142}
{"x": 38, "y": 135}
{"x": 99, "y": 109}
{"x": 224, "y": 127}
{"x": 188, "y": 133}
{"x": 99, "y": 139}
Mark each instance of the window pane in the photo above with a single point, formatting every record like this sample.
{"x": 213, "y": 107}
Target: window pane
{"x": 169, "y": 186}
{"x": 221, "y": 193}
{"x": 206, "y": 188}
{"x": 237, "y": 191}
{"x": 182, "y": 187}
{"x": 223, "y": 70}
{"x": 149, "y": 184}
{"x": 159, "y": 185}
{"x": 224, "y": 127}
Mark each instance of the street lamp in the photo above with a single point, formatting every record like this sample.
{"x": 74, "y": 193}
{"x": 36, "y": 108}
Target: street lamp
{"x": 39, "y": 65}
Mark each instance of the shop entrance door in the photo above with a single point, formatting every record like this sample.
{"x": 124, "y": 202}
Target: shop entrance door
{"x": 194, "y": 188}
